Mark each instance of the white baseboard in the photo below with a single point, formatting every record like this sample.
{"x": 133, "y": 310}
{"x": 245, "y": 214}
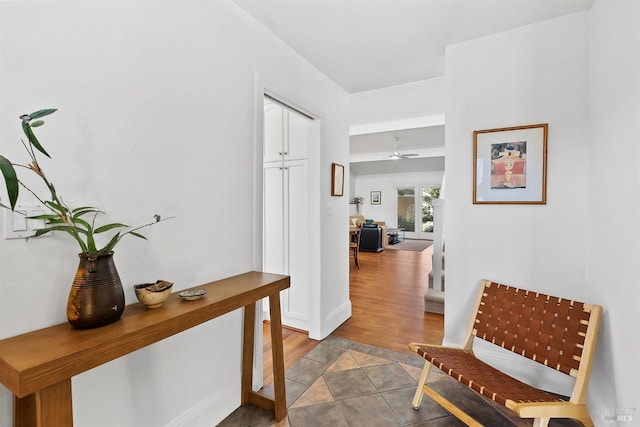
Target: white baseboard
{"x": 212, "y": 409}
{"x": 334, "y": 319}
{"x": 296, "y": 322}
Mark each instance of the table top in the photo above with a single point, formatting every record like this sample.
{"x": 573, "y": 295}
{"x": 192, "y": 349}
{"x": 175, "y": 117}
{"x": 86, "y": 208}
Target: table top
{"x": 37, "y": 359}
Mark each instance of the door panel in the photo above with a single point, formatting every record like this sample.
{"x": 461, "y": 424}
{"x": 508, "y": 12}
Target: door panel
{"x": 298, "y": 136}
{"x": 296, "y": 299}
{"x": 273, "y": 136}
{"x": 273, "y": 217}
{"x": 427, "y": 194}
{"x": 406, "y": 202}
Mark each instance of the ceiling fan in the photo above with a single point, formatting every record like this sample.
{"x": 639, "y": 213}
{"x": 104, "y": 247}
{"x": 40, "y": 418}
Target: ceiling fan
{"x": 396, "y": 155}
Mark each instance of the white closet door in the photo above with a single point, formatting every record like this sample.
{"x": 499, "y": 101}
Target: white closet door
{"x": 297, "y": 138}
{"x": 274, "y": 132}
{"x": 286, "y": 208}
{"x": 274, "y": 221}
{"x": 295, "y": 301}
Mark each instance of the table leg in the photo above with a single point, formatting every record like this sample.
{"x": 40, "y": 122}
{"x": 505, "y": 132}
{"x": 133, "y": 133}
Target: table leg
{"x": 48, "y": 407}
{"x": 279, "y": 404}
{"x": 278, "y": 358}
{"x": 247, "y": 352}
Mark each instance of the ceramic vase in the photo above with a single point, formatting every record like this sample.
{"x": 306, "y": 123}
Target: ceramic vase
{"x": 96, "y": 297}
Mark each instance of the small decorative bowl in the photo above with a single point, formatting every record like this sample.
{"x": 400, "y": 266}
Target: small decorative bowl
{"x": 153, "y": 295}
{"x": 192, "y": 294}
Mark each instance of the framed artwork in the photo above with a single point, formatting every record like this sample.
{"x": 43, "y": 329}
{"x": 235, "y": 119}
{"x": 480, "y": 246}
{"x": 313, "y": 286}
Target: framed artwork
{"x": 337, "y": 179}
{"x": 376, "y": 197}
{"x": 510, "y": 165}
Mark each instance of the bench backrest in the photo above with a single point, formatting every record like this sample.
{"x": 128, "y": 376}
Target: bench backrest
{"x": 553, "y": 331}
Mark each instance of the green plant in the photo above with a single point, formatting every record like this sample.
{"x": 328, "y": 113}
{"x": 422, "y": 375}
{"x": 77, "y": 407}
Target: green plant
{"x": 79, "y": 223}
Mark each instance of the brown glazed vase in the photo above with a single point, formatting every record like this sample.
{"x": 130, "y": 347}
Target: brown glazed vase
{"x": 96, "y": 297}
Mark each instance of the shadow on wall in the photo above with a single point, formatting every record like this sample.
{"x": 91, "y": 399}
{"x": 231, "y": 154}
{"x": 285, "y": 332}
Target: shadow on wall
{"x": 608, "y": 410}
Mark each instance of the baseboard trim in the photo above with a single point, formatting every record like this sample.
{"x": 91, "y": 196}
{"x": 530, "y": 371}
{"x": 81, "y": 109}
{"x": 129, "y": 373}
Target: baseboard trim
{"x": 294, "y": 323}
{"x": 291, "y": 328}
{"x": 212, "y": 409}
{"x": 334, "y": 319}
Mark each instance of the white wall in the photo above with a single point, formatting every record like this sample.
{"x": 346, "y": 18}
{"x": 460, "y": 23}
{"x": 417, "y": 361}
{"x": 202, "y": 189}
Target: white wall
{"x": 568, "y": 72}
{"x": 387, "y": 184}
{"x": 614, "y": 208}
{"x": 157, "y": 114}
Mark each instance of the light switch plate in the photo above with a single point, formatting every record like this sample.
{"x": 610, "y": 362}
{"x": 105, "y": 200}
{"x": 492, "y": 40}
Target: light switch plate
{"x": 18, "y": 226}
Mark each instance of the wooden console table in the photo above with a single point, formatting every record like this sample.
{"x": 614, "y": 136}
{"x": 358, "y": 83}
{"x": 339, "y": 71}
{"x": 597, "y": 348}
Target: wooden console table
{"x": 37, "y": 366}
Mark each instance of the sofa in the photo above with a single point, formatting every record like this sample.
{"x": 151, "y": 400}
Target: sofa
{"x": 374, "y": 239}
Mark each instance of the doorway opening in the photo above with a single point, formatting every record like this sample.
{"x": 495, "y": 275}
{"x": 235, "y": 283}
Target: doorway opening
{"x": 415, "y": 210}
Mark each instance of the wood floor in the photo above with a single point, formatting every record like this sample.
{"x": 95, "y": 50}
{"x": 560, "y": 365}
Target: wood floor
{"x": 387, "y": 307}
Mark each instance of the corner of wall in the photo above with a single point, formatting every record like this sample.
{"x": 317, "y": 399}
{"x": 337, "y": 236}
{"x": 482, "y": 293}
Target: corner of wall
{"x": 331, "y": 322}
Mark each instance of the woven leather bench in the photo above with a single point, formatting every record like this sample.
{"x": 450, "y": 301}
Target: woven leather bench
{"x": 555, "y": 332}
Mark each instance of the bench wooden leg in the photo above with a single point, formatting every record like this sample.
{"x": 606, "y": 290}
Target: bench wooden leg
{"x": 586, "y": 421}
{"x": 417, "y": 398}
{"x": 450, "y": 407}
{"x": 542, "y": 412}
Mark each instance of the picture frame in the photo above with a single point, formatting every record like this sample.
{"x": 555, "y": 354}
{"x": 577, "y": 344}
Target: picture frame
{"x": 337, "y": 179}
{"x": 376, "y": 197}
{"x": 510, "y": 165}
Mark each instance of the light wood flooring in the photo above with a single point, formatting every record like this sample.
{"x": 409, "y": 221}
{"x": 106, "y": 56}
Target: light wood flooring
{"x": 387, "y": 307}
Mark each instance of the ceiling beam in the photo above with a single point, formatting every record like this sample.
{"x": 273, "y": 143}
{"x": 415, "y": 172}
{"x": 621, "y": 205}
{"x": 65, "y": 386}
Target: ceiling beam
{"x": 373, "y": 157}
{"x": 412, "y": 123}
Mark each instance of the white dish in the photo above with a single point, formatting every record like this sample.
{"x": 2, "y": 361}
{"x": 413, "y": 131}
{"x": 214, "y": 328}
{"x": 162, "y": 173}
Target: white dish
{"x": 192, "y": 294}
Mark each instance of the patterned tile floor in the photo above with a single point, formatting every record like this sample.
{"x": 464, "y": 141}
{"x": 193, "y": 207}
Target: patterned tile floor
{"x": 343, "y": 383}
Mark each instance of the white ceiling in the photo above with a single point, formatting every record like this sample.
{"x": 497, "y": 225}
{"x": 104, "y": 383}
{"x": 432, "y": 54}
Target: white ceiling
{"x": 369, "y": 44}
{"x": 369, "y": 153}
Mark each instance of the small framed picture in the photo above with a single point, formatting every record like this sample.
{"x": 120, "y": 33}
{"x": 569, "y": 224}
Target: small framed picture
{"x": 337, "y": 179}
{"x": 376, "y": 197}
{"x": 510, "y": 165}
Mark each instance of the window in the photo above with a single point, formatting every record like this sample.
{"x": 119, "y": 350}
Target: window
{"x": 428, "y": 194}
{"x": 407, "y": 208}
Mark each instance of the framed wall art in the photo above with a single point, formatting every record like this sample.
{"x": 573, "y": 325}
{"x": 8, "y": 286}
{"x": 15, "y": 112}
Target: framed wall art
{"x": 376, "y": 197}
{"x": 510, "y": 165}
{"x": 337, "y": 179}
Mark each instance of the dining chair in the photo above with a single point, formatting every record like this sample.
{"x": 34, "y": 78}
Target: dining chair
{"x": 354, "y": 243}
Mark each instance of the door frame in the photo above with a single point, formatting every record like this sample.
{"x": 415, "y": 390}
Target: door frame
{"x": 278, "y": 90}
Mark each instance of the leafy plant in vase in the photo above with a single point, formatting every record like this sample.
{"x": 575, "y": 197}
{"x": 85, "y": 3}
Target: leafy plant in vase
{"x": 96, "y": 297}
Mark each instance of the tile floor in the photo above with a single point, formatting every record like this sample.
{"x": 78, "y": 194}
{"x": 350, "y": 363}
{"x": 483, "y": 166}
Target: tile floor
{"x": 343, "y": 383}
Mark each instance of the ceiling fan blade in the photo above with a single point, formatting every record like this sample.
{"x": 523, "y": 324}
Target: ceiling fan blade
{"x": 395, "y": 155}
